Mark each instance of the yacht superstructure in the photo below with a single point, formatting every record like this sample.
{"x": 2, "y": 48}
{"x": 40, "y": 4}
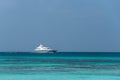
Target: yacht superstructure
{"x": 43, "y": 49}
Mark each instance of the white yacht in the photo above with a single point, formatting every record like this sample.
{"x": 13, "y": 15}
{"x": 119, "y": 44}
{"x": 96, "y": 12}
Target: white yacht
{"x": 43, "y": 49}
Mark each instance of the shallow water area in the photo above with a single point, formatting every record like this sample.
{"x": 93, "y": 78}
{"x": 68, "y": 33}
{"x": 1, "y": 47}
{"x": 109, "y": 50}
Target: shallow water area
{"x": 64, "y": 65}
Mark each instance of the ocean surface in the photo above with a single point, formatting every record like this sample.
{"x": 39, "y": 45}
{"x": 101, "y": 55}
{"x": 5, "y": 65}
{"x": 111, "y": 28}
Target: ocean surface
{"x": 60, "y": 66}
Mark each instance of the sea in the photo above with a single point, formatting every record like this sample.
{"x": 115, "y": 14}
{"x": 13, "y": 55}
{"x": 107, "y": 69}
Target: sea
{"x": 60, "y": 66}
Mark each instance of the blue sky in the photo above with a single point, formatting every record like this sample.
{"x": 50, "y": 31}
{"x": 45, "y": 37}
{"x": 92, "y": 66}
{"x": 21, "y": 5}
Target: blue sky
{"x": 66, "y": 25}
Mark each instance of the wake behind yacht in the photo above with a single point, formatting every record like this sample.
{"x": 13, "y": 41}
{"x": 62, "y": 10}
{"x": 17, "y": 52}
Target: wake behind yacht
{"x": 43, "y": 49}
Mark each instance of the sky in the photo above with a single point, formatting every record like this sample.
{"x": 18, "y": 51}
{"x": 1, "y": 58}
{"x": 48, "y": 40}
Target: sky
{"x": 65, "y": 25}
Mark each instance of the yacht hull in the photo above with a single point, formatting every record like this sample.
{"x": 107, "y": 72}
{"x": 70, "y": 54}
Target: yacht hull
{"x": 45, "y": 51}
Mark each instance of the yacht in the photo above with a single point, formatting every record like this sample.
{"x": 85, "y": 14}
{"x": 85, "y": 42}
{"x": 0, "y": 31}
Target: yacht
{"x": 43, "y": 49}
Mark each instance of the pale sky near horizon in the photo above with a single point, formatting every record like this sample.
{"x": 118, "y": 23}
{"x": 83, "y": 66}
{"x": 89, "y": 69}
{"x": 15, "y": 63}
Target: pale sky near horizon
{"x": 65, "y": 25}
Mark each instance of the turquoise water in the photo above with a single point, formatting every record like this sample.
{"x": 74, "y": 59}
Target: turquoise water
{"x": 58, "y": 66}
